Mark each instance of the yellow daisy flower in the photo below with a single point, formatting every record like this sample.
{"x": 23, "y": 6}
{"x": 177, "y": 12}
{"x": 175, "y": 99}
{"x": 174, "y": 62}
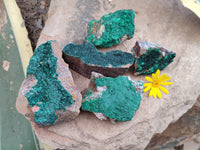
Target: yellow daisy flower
{"x": 155, "y": 85}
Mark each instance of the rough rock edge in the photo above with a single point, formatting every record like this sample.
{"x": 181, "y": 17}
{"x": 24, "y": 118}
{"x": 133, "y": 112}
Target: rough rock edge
{"x": 86, "y": 70}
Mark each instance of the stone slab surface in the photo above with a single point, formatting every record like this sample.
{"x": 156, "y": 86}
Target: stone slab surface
{"x": 167, "y": 23}
{"x": 186, "y": 130}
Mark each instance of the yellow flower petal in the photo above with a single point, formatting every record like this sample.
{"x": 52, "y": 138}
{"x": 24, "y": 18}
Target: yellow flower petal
{"x": 166, "y": 83}
{"x": 152, "y": 91}
{"x": 159, "y": 93}
{"x": 164, "y": 78}
{"x": 157, "y": 73}
{"x": 156, "y": 92}
{"x": 149, "y": 79}
{"x": 147, "y": 88}
{"x": 153, "y": 76}
{"x": 147, "y": 84}
{"x": 163, "y": 89}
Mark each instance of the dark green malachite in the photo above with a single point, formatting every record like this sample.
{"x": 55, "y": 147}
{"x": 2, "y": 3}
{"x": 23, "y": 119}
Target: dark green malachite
{"x": 48, "y": 94}
{"x": 111, "y": 29}
{"x": 152, "y": 60}
{"x": 91, "y": 56}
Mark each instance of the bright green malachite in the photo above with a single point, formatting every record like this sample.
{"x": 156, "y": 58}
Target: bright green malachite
{"x": 111, "y": 28}
{"x": 48, "y": 93}
{"x": 119, "y": 101}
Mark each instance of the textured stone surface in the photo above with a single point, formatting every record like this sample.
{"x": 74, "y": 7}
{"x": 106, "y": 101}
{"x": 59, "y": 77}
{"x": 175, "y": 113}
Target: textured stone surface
{"x": 185, "y": 129}
{"x": 85, "y": 58}
{"x": 165, "y": 22}
{"x": 111, "y": 29}
{"x": 194, "y": 144}
{"x": 116, "y": 98}
{"x": 49, "y": 87}
{"x": 150, "y": 57}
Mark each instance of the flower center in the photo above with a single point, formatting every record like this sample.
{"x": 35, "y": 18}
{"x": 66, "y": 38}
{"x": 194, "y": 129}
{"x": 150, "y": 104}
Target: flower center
{"x": 156, "y": 84}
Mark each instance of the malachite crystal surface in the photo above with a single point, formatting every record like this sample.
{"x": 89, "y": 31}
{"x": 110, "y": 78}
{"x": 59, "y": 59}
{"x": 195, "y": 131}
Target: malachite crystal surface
{"x": 149, "y": 57}
{"x": 117, "y": 98}
{"x": 111, "y": 29}
{"x": 48, "y": 93}
{"x": 91, "y": 56}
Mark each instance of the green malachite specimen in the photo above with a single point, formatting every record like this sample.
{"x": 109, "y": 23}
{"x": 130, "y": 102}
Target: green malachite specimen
{"x": 48, "y": 93}
{"x": 111, "y": 29}
{"x": 149, "y": 57}
{"x": 85, "y": 58}
{"x": 117, "y": 98}
{"x": 90, "y": 55}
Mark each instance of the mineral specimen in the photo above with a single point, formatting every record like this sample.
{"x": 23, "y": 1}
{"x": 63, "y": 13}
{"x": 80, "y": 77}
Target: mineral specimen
{"x": 149, "y": 57}
{"x": 115, "y": 98}
{"x": 111, "y": 29}
{"x": 85, "y": 58}
{"x": 49, "y": 87}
